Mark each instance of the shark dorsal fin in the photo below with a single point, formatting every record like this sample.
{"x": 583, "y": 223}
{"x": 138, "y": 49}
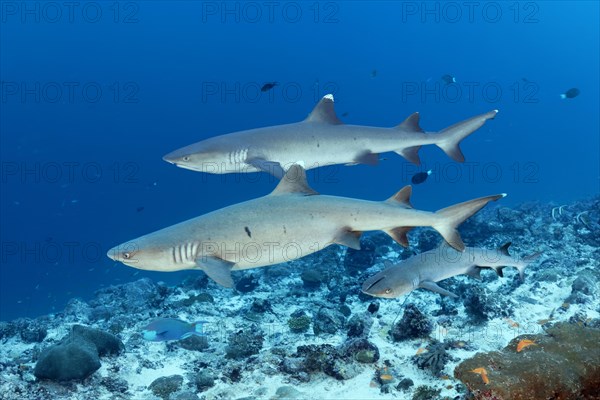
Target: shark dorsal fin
{"x": 402, "y": 197}
{"x": 411, "y": 124}
{"x": 324, "y": 112}
{"x": 294, "y": 181}
{"x": 504, "y": 249}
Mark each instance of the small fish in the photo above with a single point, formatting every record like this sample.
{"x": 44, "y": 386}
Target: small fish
{"x": 345, "y": 114}
{"x": 448, "y": 79}
{"x": 420, "y": 177}
{"x": 525, "y": 343}
{"x": 545, "y": 321}
{"x": 163, "y": 329}
{"x": 268, "y": 86}
{"x": 570, "y": 94}
{"x": 512, "y": 323}
{"x": 421, "y": 350}
{"x": 140, "y": 209}
{"x": 374, "y": 73}
{"x": 483, "y": 373}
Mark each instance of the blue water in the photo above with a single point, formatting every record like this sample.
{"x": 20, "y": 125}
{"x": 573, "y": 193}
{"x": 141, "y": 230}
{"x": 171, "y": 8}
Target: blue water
{"x": 94, "y": 95}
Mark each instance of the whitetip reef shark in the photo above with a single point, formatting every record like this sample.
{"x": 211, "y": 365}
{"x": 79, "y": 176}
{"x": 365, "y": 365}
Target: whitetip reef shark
{"x": 426, "y": 269}
{"x": 289, "y": 223}
{"x": 319, "y": 140}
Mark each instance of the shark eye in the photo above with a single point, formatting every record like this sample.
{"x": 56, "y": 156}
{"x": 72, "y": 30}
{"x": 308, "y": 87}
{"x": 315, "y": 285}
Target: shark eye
{"x": 185, "y": 158}
{"x": 127, "y": 255}
{"x": 388, "y": 291}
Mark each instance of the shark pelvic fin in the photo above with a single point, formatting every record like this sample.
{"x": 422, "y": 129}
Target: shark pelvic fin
{"x": 474, "y": 272}
{"x": 294, "y": 181}
{"x": 399, "y": 234}
{"x": 402, "y": 197}
{"x": 430, "y": 285}
{"x": 348, "y": 238}
{"x": 217, "y": 269}
{"x": 411, "y": 124}
{"x": 366, "y": 157}
{"x": 324, "y": 112}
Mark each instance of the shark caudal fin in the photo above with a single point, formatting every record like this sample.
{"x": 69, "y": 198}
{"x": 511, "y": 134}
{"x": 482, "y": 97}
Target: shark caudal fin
{"x": 450, "y": 138}
{"x": 450, "y": 218}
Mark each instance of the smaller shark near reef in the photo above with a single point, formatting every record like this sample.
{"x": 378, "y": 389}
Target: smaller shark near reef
{"x": 319, "y": 140}
{"x": 425, "y": 269}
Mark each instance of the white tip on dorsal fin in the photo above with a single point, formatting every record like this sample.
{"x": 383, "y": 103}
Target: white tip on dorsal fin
{"x": 324, "y": 112}
{"x": 294, "y": 181}
{"x": 411, "y": 124}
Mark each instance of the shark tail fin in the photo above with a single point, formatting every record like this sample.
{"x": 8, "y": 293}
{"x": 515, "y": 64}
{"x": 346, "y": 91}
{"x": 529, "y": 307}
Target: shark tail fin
{"x": 450, "y": 138}
{"x": 450, "y": 218}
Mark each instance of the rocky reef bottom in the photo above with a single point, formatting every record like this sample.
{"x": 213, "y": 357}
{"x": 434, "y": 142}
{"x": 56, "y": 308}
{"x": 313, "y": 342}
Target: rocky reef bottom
{"x": 304, "y": 330}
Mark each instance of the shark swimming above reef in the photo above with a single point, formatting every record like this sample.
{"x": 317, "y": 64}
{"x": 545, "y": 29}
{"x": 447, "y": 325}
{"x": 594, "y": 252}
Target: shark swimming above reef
{"x": 319, "y": 140}
{"x": 289, "y": 223}
{"x": 426, "y": 269}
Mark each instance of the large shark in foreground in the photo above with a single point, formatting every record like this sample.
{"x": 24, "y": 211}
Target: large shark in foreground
{"x": 291, "y": 222}
{"x": 320, "y": 140}
{"x": 425, "y": 269}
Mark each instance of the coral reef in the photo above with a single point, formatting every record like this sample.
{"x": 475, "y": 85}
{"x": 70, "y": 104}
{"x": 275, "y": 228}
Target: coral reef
{"x": 562, "y": 364}
{"x": 414, "y": 324}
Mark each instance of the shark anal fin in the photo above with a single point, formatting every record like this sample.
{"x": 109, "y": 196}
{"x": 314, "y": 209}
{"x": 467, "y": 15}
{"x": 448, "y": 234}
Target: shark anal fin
{"x": 294, "y": 181}
{"x": 270, "y": 167}
{"x": 324, "y": 112}
{"x": 402, "y": 197}
{"x": 348, "y": 238}
{"x": 217, "y": 269}
{"x": 411, "y": 124}
{"x": 367, "y": 158}
{"x": 430, "y": 285}
{"x": 399, "y": 234}
{"x": 411, "y": 154}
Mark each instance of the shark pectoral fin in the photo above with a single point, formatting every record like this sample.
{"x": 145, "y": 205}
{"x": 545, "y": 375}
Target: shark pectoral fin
{"x": 270, "y": 167}
{"x": 399, "y": 234}
{"x": 324, "y": 112}
{"x": 411, "y": 154}
{"x": 348, "y": 238}
{"x": 217, "y": 269}
{"x": 411, "y": 124}
{"x": 429, "y": 285}
{"x": 294, "y": 181}
{"x": 474, "y": 272}
{"x": 402, "y": 197}
{"x": 366, "y": 158}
